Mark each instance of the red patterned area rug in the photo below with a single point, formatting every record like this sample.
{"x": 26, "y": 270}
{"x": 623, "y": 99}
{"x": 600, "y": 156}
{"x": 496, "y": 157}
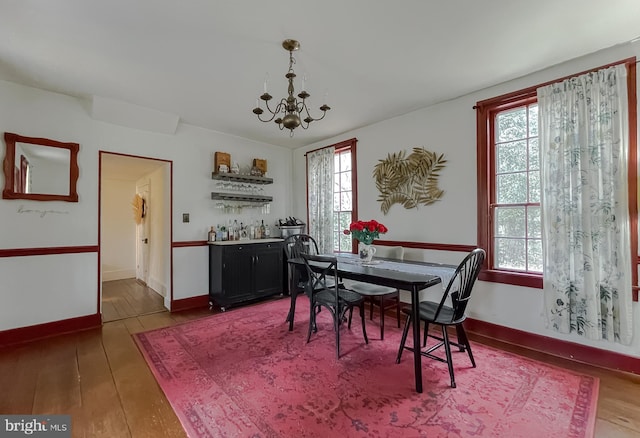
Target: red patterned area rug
{"x": 243, "y": 374}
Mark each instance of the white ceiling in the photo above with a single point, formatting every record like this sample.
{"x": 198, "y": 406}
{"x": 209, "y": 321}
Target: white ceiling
{"x": 206, "y": 61}
{"x": 128, "y": 168}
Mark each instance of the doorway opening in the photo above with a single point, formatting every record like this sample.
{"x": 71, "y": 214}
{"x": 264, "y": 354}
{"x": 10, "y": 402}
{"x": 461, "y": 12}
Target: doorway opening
{"x": 134, "y": 235}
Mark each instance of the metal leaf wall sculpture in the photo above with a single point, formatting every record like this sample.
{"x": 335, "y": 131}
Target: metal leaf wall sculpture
{"x": 410, "y": 181}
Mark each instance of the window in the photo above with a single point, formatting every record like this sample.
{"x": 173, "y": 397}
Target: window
{"x": 344, "y": 195}
{"x": 509, "y": 226}
{"x": 517, "y": 233}
{"x": 509, "y": 213}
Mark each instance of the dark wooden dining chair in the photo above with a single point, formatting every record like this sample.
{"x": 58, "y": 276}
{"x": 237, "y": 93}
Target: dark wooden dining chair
{"x": 331, "y": 295}
{"x": 294, "y": 246}
{"x": 382, "y": 296}
{"x": 450, "y": 311}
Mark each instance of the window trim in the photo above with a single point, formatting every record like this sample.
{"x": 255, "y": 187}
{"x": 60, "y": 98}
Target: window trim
{"x": 350, "y": 145}
{"x": 493, "y": 202}
{"x": 485, "y": 112}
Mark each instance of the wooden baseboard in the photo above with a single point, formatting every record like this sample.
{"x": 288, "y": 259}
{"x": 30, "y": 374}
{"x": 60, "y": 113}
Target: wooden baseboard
{"x": 23, "y": 335}
{"x": 190, "y": 303}
{"x": 552, "y": 346}
{"x": 27, "y": 334}
{"x": 555, "y": 347}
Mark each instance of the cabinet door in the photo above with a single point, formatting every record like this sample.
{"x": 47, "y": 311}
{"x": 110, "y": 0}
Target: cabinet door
{"x": 267, "y": 272}
{"x": 237, "y": 281}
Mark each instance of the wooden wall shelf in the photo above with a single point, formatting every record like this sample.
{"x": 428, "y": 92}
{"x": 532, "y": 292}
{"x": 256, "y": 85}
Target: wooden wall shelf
{"x": 234, "y": 177}
{"x": 246, "y": 197}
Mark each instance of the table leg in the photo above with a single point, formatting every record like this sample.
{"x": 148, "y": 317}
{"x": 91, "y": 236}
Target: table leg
{"x": 417, "y": 356}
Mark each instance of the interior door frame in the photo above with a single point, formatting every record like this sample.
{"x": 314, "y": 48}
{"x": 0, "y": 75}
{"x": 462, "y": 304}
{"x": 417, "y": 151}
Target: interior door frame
{"x": 169, "y": 244}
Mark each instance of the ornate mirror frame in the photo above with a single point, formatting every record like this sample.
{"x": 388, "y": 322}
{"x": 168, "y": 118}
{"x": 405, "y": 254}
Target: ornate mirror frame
{"x": 9, "y": 191}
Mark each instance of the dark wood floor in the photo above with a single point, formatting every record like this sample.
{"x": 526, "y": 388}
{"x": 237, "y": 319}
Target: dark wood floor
{"x": 100, "y": 378}
{"x": 128, "y": 298}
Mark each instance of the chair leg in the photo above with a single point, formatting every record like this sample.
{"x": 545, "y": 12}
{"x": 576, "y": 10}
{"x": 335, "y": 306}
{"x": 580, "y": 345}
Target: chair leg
{"x": 398, "y": 308}
{"x": 426, "y": 334}
{"x": 382, "y": 317}
{"x": 312, "y": 322}
{"x": 463, "y": 340}
{"x": 364, "y": 330}
{"x": 447, "y": 348}
{"x": 404, "y": 338}
{"x": 292, "y": 309}
{"x": 336, "y": 323}
{"x": 350, "y": 316}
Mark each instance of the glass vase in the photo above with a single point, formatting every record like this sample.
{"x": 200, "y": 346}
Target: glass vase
{"x": 366, "y": 252}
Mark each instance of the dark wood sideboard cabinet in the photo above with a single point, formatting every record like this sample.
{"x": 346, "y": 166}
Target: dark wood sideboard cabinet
{"x": 244, "y": 271}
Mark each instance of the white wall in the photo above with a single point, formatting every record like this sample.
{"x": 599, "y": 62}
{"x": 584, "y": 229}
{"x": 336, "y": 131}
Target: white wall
{"x": 41, "y": 289}
{"x": 450, "y": 128}
{"x": 65, "y": 286}
{"x": 118, "y": 246}
{"x": 193, "y": 262}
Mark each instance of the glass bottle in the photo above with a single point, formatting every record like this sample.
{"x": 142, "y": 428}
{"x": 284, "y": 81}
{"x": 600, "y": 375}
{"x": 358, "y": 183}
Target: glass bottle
{"x": 230, "y": 230}
{"x": 258, "y": 235}
{"x": 267, "y": 231}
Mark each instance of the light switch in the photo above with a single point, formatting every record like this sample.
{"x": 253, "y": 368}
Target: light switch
{"x": 185, "y": 217}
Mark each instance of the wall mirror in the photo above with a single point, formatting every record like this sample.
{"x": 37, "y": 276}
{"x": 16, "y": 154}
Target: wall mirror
{"x": 40, "y": 169}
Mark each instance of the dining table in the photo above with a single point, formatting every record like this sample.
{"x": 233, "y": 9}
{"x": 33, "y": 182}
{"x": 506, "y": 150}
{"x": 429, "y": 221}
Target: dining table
{"x": 412, "y": 276}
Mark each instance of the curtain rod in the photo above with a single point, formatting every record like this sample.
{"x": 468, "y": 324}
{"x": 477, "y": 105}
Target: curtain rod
{"x": 344, "y": 144}
{"x": 318, "y": 149}
{"x": 527, "y": 90}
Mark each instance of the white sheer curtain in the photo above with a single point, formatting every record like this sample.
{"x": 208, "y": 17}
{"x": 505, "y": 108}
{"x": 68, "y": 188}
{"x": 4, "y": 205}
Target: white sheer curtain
{"x": 320, "y": 197}
{"x": 584, "y": 145}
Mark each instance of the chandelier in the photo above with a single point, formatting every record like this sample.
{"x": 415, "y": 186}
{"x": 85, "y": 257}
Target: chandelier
{"x": 291, "y": 112}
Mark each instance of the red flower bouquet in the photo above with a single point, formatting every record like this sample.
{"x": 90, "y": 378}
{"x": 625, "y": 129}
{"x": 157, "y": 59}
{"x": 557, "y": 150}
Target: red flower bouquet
{"x": 366, "y": 231}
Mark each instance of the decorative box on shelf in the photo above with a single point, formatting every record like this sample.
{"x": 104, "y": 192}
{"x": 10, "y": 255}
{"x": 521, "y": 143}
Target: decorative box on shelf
{"x": 221, "y": 159}
{"x": 260, "y": 165}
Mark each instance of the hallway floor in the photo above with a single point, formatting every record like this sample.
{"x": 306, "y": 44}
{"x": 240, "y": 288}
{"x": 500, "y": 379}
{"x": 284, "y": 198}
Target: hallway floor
{"x": 129, "y": 298}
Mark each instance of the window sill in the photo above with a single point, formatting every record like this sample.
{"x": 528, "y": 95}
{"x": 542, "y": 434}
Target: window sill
{"x": 515, "y": 278}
